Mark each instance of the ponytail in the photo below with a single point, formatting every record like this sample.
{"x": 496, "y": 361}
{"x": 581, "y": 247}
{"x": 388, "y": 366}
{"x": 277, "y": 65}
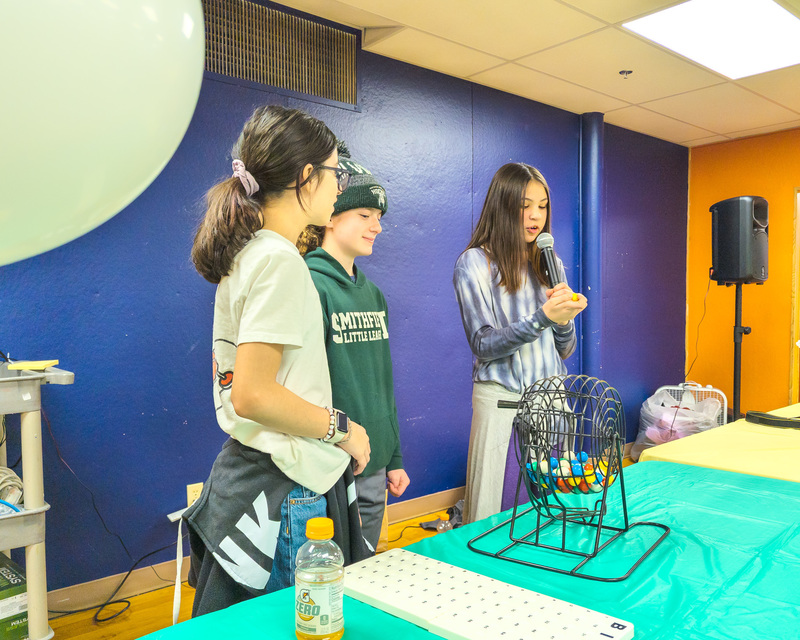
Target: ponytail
{"x": 275, "y": 145}
{"x": 232, "y": 217}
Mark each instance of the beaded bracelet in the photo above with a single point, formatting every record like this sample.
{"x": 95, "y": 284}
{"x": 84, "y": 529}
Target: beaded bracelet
{"x": 331, "y": 426}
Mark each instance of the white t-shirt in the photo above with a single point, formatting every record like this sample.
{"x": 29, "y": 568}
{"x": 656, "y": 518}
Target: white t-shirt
{"x": 269, "y": 297}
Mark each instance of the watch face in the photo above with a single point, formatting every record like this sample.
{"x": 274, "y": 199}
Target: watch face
{"x": 341, "y": 422}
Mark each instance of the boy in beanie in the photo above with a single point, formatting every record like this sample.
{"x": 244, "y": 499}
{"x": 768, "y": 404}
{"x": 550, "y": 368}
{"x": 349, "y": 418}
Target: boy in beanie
{"x": 357, "y": 336}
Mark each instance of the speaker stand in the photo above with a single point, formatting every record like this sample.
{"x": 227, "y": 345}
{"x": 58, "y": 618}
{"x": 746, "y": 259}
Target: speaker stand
{"x": 738, "y": 332}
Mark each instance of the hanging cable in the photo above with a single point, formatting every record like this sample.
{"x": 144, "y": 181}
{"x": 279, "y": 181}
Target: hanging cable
{"x": 697, "y": 340}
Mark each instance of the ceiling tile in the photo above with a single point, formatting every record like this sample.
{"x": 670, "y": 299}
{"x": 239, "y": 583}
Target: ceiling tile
{"x": 621, "y": 10}
{"x": 537, "y": 86}
{"x": 654, "y": 124}
{"x": 424, "y": 50}
{"x": 723, "y": 109}
{"x": 782, "y": 86}
{"x": 791, "y": 5}
{"x": 703, "y": 141}
{"x": 339, "y": 12}
{"x": 510, "y": 29}
{"x": 594, "y": 61}
{"x": 574, "y": 60}
{"x": 768, "y": 129}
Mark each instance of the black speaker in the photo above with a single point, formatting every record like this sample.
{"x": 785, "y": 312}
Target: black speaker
{"x": 739, "y": 240}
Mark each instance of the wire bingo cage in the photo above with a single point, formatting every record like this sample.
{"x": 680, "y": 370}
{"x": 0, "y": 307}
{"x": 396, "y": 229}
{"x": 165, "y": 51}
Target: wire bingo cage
{"x": 569, "y": 431}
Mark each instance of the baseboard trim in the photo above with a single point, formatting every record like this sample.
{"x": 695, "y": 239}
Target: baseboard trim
{"x": 408, "y": 509}
{"x": 96, "y": 592}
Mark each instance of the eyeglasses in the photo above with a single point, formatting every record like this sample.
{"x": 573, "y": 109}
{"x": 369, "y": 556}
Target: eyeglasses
{"x": 342, "y": 176}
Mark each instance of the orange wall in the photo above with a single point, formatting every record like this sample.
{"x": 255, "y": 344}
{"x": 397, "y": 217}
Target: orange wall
{"x": 767, "y": 166}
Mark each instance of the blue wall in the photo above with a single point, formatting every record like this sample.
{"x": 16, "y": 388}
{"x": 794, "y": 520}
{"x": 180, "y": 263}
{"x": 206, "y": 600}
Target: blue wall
{"x": 124, "y": 309}
{"x": 644, "y": 266}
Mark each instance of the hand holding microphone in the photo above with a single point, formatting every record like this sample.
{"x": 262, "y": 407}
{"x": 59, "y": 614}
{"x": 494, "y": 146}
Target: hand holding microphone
{"x": 563, "y": 304}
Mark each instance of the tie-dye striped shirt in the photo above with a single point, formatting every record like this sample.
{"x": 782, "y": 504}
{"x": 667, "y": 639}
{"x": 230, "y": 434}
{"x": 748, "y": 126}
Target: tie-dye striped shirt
{"x": 514, "y": 342}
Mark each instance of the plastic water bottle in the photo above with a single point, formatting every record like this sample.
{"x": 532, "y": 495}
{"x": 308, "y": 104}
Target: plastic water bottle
{"x": 444, "y": 524}
{"x": 319, "y": 584}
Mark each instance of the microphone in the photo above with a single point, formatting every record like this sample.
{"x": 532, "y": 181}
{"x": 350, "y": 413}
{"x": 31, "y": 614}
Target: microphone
{"x": 545, "y": 243}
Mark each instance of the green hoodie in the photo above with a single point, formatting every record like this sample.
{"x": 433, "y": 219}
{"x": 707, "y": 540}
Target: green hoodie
{"x": 357, "y": 341}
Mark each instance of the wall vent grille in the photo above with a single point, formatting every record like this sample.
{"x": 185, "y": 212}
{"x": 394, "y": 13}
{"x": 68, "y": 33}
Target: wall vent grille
{"x": 252, "y": 42}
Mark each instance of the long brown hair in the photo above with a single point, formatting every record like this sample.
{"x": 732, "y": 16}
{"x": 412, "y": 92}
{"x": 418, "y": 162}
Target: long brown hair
{"x": 310, "y": 238}
{"x": 499, "y": 231}
{"x": 275, "y": 145}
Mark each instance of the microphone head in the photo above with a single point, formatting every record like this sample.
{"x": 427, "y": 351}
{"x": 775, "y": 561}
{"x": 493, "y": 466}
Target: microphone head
{"x": 544, "y": 241}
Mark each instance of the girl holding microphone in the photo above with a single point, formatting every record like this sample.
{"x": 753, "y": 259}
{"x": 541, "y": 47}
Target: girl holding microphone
{"x": 519, "y": 329}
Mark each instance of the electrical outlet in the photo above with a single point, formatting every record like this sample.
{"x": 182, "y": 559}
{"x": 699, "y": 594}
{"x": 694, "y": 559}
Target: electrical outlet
{"x": 193, "y": 492}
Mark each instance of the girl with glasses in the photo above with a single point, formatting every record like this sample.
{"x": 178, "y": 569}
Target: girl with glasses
{"x": 342, "y": 176}
{"x": 290, "y": 451}
{"x": 518, "y": 328}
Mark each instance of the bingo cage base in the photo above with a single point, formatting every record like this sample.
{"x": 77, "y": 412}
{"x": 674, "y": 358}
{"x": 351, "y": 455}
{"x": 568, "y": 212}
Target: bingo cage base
{"x": 568, "y": 435}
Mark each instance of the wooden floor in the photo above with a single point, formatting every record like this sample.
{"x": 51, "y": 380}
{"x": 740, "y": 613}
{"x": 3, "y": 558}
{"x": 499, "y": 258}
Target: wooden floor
{"x": 152, "y": 611}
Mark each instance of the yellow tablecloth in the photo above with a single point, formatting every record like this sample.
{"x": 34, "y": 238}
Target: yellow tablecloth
{"x": 740, "y": 446}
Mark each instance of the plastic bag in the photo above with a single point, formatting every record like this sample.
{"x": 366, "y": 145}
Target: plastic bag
{"x": 663, "y": 418}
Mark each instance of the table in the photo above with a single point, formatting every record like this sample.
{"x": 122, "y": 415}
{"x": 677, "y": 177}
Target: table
{"x": 728, "y": 570}
{"x": 20, "y": 392}
{"x": 772, "y": 452}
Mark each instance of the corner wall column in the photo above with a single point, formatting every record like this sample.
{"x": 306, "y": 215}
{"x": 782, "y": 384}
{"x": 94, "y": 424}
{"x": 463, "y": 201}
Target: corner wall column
{"x": 592, "y": 210}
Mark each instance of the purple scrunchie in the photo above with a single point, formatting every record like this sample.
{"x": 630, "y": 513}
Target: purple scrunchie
{"x": 247, "y": 179}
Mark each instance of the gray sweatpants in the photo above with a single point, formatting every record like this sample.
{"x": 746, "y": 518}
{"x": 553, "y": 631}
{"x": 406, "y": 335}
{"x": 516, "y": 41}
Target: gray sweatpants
{"x": 488, "y": 447}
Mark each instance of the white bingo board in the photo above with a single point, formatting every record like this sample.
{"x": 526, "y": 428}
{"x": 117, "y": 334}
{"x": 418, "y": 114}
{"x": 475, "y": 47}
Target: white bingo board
{"x": 462, "y": 605}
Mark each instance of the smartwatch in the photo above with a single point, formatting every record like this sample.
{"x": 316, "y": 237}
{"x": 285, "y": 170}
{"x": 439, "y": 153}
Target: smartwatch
{"x": 339, "y": 427}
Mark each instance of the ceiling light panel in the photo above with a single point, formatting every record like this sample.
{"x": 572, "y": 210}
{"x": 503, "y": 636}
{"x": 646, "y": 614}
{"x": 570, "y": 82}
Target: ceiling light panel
{"x": 737, "y": 38}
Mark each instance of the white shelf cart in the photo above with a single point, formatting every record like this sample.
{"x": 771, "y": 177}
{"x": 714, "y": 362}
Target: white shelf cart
{"x": 20, "y": 392}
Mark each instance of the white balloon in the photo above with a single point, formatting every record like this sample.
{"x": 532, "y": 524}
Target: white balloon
{"x": 96, "y": 97}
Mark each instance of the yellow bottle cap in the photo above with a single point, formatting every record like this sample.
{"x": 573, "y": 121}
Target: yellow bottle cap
{"x": 319, "y": 529}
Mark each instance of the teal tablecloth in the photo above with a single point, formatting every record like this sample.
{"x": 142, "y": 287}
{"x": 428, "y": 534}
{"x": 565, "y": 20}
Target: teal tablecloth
{"x": 730, "y": 568}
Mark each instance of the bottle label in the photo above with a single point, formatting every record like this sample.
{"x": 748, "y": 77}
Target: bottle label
{"x": 318, "y": 607}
